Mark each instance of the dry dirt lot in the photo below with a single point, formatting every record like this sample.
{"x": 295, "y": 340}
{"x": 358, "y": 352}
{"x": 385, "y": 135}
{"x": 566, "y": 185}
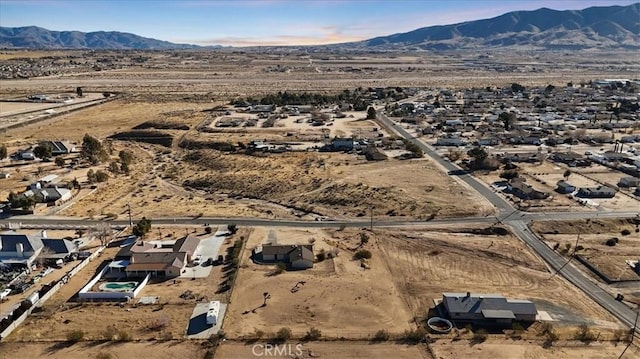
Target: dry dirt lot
{"x": 90, "y": 350}
{"x": 425, "y": 264}
{"x": 338, "y": 297}
{"x": 409, "y": 269}
{"x": 593, "y": 235}
{"x": 344, "y": 350}
{"x": 495, "y": 349}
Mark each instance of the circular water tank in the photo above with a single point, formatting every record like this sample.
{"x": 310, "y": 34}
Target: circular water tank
{"x": 439, "y": 325}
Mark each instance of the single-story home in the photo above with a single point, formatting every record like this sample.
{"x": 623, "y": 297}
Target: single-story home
{"x": 343, "y": 144}
{"x": 629, "y": 182}
{"x": 488, "y": 308}
{"x": 524, "y": 191}
{"x": 597, "y": 192}
{"x": 17, "y": 248}
{"x": 158, "y": 264}
{"x": 565, "y": 187}
{"x": 154, "y": 257}
{"x": 298, "y": 256}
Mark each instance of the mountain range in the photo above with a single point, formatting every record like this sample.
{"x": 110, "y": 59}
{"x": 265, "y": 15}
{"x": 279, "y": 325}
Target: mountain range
{"x": 607, "y": 27}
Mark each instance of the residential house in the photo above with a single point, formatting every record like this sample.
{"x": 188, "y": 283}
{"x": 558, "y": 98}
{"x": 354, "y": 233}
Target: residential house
{"x": 524, "y": 191}
{"x": 597, "y": 192}
{"x": 450, "y": 141}
{"x": 61, "y": 147}
{"x": 160, "y": 259}
{"x": 296, "y": 256}
{"x": 58, "y": 249}
{"x": 488, "y": 308}
{"x": 629, "y": 182}
{"x": 343, "y": 144}
{"x": 158, "y": 264}
{"x": 17, "y": 248}
{"x": 565, "y": 187}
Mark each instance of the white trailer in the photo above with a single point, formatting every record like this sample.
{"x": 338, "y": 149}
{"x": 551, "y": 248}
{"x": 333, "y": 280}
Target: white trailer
{"x": 213, "y": 312}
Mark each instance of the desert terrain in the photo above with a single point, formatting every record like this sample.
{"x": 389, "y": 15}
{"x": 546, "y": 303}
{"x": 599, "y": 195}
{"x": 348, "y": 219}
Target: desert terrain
{"x": 180, "y": 97}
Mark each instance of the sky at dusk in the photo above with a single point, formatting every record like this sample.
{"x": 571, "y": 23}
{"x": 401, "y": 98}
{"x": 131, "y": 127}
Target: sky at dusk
{"x": 263, "y": 22}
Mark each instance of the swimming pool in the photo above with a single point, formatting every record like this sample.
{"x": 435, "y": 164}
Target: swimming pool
{"x": 118, "y": 286}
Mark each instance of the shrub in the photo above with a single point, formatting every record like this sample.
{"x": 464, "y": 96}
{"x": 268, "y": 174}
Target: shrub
{"x": 479, "y": 336}
{"x": 75, "y": 336}
{"x": 208, "y": 230}
{"x": 279, "y": 269}
{"x": 414, "y": 336}
{"x": 124, "y": 336}
{"x": 362, "y": 254}
{"x": 283, "y": 334}
{"x": 312, "y": 334}
{"x": 321, "y": 256}
{"x": 611, "y": 242}
{"x": 625, "y": 232}
{"x": 381, "y": 336}
{"x": 584, "y": 334}
{"x": 103, "y": 355}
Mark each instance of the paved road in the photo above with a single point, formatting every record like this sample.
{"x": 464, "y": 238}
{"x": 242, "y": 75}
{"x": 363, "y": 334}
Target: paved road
{"x": 518, "y": 220}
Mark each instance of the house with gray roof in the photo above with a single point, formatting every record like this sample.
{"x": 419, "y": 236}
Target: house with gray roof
{"x": 298, "y": 256}
{"x": 155, "y": 258}
{"x": 596, "y": 192}
{"x": 16, "y": 248}
{"x": 489, "y": 308}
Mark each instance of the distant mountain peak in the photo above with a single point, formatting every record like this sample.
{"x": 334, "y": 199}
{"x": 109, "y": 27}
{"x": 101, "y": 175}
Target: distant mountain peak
{"x": 595, "y": 27}
{"x": 34, "y": 37}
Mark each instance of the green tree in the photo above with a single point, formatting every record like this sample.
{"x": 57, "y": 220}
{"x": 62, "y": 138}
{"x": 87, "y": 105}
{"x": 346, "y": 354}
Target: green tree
{"x": 3, "y": 152}
{"x": 21, "y": 201}
{"x": 508, "y": 119}
{"x": 43, "y": 150}
{"x": 101, "y": 176}
{"x": 79, "y": 91}
{"x": 371, "y": 113}
{"x": 91, "y": 176}
{"x": 92, "y": 150}
{"x": 142, "y": 227}
{"x": 479, "y": 156}
{"x": 114, "y": 167}
{"x": 60, "y": 162}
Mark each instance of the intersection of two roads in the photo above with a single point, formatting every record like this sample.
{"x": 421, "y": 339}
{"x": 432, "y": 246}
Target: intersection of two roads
{"x": 517, "y": 221}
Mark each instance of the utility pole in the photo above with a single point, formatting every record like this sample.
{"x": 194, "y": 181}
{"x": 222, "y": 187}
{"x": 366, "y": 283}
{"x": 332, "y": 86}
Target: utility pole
{"x": 633, "y": 334}
{"x": 130, "y": 220}
{"x": 371, "y": 217}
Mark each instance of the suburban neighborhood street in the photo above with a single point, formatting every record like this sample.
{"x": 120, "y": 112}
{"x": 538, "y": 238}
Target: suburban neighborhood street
{"x": 518, "y": 224}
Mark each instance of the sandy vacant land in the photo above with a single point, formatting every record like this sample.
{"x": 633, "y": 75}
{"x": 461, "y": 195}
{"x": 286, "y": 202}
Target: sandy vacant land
{"x": 530, "y": 350}
{"x": 593, "y": 235}
{"x": 348, "y": 350}
{"x": 339, "y": 297}
{"x": 425, "y": 264}
{"x": 90, "y": 350}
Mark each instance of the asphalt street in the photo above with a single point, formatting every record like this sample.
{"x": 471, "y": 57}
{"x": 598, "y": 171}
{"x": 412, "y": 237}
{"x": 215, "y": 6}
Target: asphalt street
{"x": 518, "y": 222}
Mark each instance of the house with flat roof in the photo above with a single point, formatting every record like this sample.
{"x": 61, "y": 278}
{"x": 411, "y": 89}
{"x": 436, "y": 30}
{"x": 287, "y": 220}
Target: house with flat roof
{"x": 298, "y": 256}
{"x": 489, "y": 308}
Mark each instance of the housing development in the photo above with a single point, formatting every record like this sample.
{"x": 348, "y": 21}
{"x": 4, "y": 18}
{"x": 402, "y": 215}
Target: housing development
{"x": 292, "y": 202}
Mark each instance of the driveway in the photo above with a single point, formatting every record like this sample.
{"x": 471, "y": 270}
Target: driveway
{"x": 208, "y": 248}
{"x": 198, "y": 327}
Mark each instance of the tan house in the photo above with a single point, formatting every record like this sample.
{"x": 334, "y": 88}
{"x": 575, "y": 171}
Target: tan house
{"x": 160, "y": 259}
{"x": 297, "y": 256}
